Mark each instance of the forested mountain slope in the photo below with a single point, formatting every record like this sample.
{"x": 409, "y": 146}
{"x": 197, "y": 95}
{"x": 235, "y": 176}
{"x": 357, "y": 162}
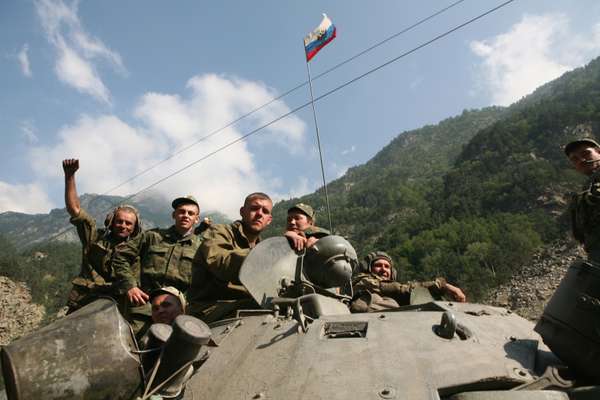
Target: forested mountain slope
{"x": 473, "y": 197}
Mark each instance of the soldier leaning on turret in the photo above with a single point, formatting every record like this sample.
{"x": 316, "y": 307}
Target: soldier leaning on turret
{"x": 376, "y": 288}
{"x": 301, "y": 230}
{"x": 96, "y": 277}
{"x": 584, "y": 208}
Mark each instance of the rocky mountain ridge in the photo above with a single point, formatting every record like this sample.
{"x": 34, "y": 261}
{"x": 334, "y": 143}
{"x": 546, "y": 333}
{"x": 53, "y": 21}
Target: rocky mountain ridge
{"x": 528, "y": 291}
{"x": 18, "y": 315}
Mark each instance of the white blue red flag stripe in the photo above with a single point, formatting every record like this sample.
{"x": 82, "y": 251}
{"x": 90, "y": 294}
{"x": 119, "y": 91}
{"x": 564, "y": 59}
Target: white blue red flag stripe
{"x": 319, "y": 38}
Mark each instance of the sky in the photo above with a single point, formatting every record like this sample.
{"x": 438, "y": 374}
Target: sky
{"x": 134, "y": 87}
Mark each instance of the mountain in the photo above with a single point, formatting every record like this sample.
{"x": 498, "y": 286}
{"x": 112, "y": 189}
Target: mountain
{"x": 473, "y": 197}
{"x": 26, "y": 229}
{"x": 391, "y": 186}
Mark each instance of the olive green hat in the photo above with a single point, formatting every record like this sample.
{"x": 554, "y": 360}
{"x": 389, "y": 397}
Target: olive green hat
{"x": 189, "y": 199}
{"x": 172, "y": 291}
{"x": 573, "y": 145}
{"x": 304, "y": 209}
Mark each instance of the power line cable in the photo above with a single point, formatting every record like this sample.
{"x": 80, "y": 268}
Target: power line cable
{"x": 285, "y": 94}
{"x": 318, "y": 98}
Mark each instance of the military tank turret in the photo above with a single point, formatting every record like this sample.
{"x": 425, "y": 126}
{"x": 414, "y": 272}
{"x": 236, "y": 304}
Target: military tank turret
{"x": 303, "y": 343}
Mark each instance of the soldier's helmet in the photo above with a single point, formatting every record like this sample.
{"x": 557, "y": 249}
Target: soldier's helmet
{"x": 330, "y": 262}
{"x": 367, "y": 262}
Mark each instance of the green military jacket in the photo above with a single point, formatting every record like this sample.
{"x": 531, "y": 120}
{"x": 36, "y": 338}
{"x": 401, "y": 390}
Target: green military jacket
{"x": 216, "y": 290}
{"x": 165, "y": 260}
{"x": 97, "y": 276}
{"x": 585, "y": 218}
{"x": 365, "y": 285}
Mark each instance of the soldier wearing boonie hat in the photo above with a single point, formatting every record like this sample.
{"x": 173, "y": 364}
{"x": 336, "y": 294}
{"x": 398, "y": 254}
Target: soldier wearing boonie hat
{"x": 584, "y": 208}
{"x": 166, "y": 257}
{"x": 301, "y": 230}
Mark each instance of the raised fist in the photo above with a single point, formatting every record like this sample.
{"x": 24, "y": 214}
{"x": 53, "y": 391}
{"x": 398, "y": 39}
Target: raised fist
{"x": 70, "y": 166}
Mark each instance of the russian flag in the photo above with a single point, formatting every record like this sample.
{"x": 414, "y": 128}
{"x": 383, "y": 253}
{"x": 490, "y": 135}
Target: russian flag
{"x": 319, "y": 38}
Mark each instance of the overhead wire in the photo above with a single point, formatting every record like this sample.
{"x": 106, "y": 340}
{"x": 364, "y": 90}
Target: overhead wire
{"x": 284, "y": 94}
{"x": 306, "y": 104}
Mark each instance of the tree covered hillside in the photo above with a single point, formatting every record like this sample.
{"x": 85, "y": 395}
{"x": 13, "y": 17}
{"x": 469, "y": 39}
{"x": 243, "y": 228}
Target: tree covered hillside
{"x": 472, "y": 197}
{"x": 392, "y": 187}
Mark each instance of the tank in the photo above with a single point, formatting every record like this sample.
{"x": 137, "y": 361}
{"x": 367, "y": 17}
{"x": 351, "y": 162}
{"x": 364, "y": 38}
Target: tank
{"x": 303, "y": 343}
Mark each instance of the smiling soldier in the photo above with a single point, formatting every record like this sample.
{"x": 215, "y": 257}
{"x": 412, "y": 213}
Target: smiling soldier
{"x": 96, "y": 277}
{"x": 166, "y": 257}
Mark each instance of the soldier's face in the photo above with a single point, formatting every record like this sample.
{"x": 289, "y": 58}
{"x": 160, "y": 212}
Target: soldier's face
{"x": 582, "y": 156}
{"x": 186, "y": 216}
{"x": 382, "y": 267}
{"x": 298, "y": 222}
{"x": 165, "y": 308}
{"x": 256, "y": 215}
{"x": 123, "y": 224}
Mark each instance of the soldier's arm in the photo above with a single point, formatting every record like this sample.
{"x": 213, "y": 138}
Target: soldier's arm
{"x": 366, "y": 283}
{"x": 70, "y": 166}
{"x": 438, "y": 288}
{"x": 218, "y": 254}
{"x": 592, "y": 194}
{"x": 126, "y": 255}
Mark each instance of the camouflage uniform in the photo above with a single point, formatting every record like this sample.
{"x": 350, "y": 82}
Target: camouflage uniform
{"x": 374, "y": 293}
{"x": 97, "y": 276}
{"x": 585, "y": 217}
{"x": 216, "y": 291}
{"x": 165, "y": 260}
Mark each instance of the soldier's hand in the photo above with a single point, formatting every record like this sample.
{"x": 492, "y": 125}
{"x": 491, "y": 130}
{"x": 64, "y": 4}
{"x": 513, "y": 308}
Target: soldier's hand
{"x": 311, "y": 241}
{"x": 297, "y": 241}
{"x": 137, "y": 296}
{"x": 70, "y": 166}
{"x": 455, "y": 293}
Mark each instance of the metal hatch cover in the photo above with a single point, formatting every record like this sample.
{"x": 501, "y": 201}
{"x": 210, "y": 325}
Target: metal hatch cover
{"x": 270, "y": 262}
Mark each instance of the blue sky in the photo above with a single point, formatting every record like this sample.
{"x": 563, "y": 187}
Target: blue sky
{"x": 121, "y": 85}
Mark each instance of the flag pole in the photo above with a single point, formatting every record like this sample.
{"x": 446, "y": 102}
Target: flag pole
{"x": 312, "y": 103}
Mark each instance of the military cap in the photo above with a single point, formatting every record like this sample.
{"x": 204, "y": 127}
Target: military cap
{"x": 573, "y": 145}
{"x": 304, "y": 209}
{"x": 172, "y": 291}
{"x": 189, "y": 199}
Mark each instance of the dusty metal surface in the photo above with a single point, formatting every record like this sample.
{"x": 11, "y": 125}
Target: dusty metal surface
{"x": 399, "y": 357}
{"x": 86, "y": 355}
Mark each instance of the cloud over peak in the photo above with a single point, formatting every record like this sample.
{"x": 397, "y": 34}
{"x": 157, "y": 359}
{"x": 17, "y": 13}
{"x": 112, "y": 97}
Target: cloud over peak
{"x": 535, "y": 50}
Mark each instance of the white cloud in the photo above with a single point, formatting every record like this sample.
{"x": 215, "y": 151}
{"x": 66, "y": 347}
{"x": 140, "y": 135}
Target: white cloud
{"x": 352, "y": 149}
{"x": 28, "y": 130}
{"x": 23, "y": 58}
{"x": 76, "y": 50}
{"x": 534, "y": 51}
{"x": 111, "y": 150}
{"x": 28, "y": 198}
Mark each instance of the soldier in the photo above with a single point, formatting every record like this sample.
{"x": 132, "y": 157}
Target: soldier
{"x": 301, "y": 230}
{"x": 216, "y": 290}
{"x": 96, "y": 277}
{"x": 376, "y": 287}
{"x": 584, "y": 208}
{"x": 167, "y": 304}
{"x": 165, "y": 260}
